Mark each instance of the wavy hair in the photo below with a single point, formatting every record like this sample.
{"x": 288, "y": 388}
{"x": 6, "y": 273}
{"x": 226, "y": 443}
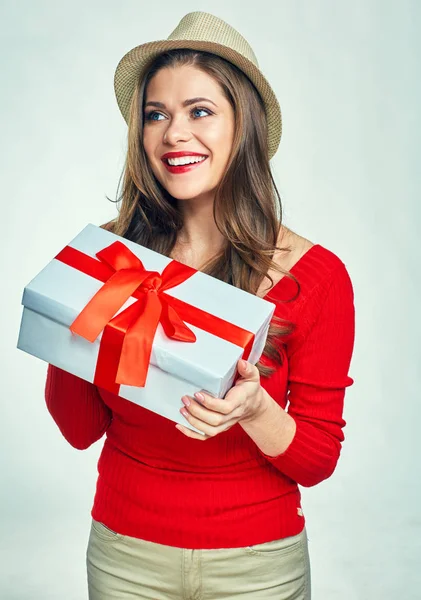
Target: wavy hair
{"x": 247, "y": 206}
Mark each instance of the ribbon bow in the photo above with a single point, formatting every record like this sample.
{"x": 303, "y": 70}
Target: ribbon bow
{"x": 128, "y": 336}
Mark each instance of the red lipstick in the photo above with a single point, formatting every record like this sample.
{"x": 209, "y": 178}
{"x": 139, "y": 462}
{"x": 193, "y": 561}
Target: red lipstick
{"x": 181, "y": 168}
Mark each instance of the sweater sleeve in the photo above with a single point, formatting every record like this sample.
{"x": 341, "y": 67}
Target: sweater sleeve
{"x": 318, "y": 376}
{"x": 76, "y": 407}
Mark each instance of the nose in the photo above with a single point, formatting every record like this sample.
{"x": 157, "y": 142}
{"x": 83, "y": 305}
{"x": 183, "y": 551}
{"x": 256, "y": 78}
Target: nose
{"x": 177, "y": 131}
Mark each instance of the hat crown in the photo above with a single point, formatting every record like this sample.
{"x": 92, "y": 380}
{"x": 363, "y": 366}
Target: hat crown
{"x": 204, "y": 27}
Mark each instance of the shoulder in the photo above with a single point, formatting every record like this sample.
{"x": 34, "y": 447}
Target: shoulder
{"x": 305, "y": 256}
{"x": 312, "y": 268}
{"x": 327, "y": 306}
{"x": 319, "y": 281}
{"x": 330, "y": 260}
{"x": 328, "y": 293}
{"x": 333, "y": 269}
{"x": 319, "y": 269}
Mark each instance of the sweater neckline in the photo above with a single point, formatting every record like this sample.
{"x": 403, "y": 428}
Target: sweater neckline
{"x": 295, "y": 266}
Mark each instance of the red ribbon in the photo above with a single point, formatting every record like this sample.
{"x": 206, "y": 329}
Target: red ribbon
{"x": 127, "y": 338}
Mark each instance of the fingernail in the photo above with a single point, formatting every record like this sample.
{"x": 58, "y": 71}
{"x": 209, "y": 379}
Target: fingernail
{"x": 185, "y": 401}
{"x": 184, "y": 412}
{"x": 244, "y": 364}
{"x": 199, "y": 396}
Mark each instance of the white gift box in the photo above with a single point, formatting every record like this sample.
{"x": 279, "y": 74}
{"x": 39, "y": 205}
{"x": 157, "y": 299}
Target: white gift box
{"x": 58, "y": 294}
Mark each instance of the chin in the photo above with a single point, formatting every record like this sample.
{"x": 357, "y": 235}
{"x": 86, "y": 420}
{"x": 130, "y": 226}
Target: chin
{"x": 186, "y": 193}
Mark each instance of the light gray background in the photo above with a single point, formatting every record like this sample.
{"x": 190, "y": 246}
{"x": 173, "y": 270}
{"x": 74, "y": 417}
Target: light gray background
{"x": 347, "y": 75}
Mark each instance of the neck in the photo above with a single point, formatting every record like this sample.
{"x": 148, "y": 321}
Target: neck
{"x": 199, "y": 239}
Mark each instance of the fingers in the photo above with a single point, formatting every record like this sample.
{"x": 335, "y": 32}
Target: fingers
{"x": 219, "y": 405}
{"x": 204, "y": 413}
{"x": 247, "y": 372}
{"x": 214, "y": 415}
{"x": 191, "y": 434}
{"x": 208, "y": 430}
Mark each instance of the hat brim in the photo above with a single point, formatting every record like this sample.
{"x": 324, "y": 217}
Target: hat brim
{"x": 135, "y": 62}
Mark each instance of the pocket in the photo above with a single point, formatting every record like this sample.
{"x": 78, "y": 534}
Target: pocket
{"x": 281, "y": 547}
{"x": 105, "y": 533}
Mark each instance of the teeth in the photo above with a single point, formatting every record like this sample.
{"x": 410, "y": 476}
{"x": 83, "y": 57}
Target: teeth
{"x": 185, "y": 160}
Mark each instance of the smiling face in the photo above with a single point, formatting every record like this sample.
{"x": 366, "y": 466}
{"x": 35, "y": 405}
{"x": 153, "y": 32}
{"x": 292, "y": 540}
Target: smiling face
{"x": 187, "y": 112}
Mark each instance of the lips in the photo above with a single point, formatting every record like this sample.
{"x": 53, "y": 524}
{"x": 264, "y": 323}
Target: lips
{"x": 180, "y": 154}
{"x": 179, "y": 169}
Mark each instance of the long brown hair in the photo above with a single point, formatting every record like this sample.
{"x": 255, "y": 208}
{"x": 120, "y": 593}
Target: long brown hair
{"x": 247, "y": 206}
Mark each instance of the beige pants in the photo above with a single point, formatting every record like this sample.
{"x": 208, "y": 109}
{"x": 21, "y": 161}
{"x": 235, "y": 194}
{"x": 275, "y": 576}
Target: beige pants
{"x": 121, "y": 567}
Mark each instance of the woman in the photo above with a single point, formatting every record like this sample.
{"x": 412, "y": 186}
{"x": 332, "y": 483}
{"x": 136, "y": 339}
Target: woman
{"x": 178, "y": 514}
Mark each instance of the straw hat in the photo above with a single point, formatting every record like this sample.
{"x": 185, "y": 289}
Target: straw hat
{"x": 200, "y": 31}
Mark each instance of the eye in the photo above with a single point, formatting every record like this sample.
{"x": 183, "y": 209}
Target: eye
{"x": 197, "y": 109}
{"x": 150, "y": 116}
{"x": 154, "y": 114}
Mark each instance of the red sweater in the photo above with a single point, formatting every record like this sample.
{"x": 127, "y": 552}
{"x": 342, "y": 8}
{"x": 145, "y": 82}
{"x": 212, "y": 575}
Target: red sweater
{"x": 155, "y": 483}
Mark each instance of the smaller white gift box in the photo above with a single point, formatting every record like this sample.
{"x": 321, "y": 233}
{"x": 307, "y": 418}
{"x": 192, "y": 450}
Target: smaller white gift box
{"x": 220, "y": 322}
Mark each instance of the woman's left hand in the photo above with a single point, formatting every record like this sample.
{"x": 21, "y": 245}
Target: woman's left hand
{"x": 243, "y": 402}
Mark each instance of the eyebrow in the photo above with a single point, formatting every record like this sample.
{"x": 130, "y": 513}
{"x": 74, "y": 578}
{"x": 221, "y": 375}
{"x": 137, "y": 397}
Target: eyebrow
{"x": 185, "y": 103}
